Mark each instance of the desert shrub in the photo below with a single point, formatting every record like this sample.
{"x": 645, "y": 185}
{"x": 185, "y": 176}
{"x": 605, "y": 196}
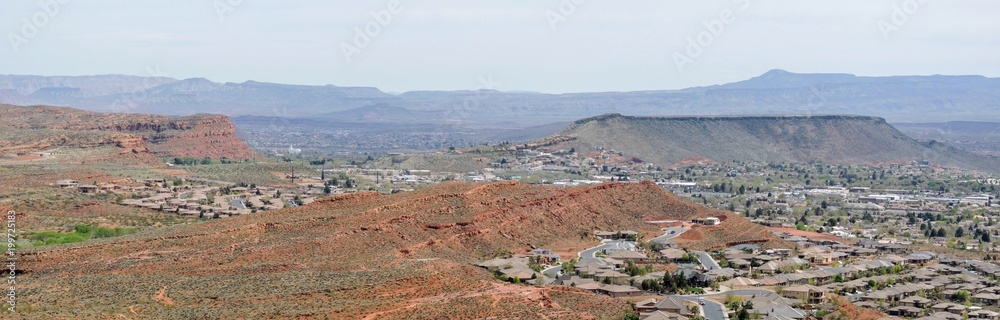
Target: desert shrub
{"x": 83, "y": 229}
{"x": 51, "y": 238}
{"x": 107, "y": 233}
{"x": 80, "y": 233}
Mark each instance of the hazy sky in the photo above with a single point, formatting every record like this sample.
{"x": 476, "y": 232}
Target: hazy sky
{"x": 535, "y": 45}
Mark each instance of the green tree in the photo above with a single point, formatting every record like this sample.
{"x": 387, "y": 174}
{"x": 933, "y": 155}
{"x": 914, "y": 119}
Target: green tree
{"x": 630, "y": 316}
{"x": 961, "y": 296}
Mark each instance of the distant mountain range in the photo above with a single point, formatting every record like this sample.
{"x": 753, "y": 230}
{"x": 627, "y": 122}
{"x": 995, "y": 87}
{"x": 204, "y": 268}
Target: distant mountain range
{"x": 899, "y": 99}
{"x": 837, "y": 139}
{"x": 978, "y": 137}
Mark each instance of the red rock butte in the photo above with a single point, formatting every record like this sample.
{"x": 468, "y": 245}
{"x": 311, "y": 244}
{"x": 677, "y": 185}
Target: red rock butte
{"x": 140, "y": 136}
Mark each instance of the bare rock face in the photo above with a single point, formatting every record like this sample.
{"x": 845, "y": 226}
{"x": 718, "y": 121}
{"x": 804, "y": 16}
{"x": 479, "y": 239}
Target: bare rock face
{"x": 144, "y": 136}
{"x": 201, "y": 136}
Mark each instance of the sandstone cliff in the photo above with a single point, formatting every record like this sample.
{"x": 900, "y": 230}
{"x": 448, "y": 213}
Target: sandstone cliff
{"x": 39, "y": 127}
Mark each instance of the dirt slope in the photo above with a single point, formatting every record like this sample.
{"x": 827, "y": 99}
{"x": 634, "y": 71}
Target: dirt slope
{"x": 406, "y": 255}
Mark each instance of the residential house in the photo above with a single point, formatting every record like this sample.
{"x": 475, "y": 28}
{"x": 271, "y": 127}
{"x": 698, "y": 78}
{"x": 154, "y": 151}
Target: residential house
{"x": 67, "y": 183}
{"x": 546, "y": 254}
{"x": 915, "y": 301}
{"x": 940, "y": 316}
{"x": 619, "y": 291}
{"x": 805, "y": 293}
{"x": 949, "y": 307}
{"x": 672, "y": 254}
{"x": 740, "y": 282}
{"x": 919, "y": 258}
{"x": 620, "y": 235}
{"x": 983, "y": 314}
{"x": 986, "y": 298}
{"x": 904, "y": 311}
{"x": 660, "y": 315}
{"x": 88, "y": 188}
{"x": 627, "y": 255}
{"x": 672, "y": 305}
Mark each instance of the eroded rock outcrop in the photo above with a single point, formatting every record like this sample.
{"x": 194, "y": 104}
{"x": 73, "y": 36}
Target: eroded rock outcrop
{"x": 145, "y": 136}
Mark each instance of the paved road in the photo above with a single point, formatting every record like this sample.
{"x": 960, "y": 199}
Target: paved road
{"x": 590, "y": 255}
{"x": 716, "y": 311}
{"x": 238, "y": 203}
{"x": 552, "y": 272}
{"x": 668, "y": 235}
{"x": 712, "y": 310}
{"x": 707, "y": 261}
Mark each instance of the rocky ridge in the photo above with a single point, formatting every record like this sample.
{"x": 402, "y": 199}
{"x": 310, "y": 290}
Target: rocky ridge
{"x": 41, "y": 127}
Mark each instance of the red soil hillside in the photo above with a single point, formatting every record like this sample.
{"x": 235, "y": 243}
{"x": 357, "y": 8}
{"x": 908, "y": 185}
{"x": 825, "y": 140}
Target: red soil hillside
{"x": 36, "y": 128}
{"x": 406, "y": 255}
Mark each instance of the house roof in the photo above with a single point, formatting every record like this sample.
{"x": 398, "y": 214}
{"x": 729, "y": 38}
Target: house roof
{"x": 941, "y": 316}
{"x": 672, "y": 253}
{"x": 671, "y": 303}
{"x": 988, "y": 313}
{"x": 918, "y": 299}
{"x": 619, "y": 289}
{"x": 660, "y": 315}
{"x": 589, "y": 286}
{"x": 626, "y": 254}
{"x": 741, "y": 281}
{"x": 804, "y": 288}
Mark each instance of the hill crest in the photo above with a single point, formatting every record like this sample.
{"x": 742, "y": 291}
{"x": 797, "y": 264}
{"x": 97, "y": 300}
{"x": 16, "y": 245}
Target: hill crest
{"x": 839, "y": 139}
{"x": 354, "y": 255}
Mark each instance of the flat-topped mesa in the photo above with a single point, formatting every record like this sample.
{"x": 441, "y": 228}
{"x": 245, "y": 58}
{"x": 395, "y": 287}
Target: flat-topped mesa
{"x": 838, "y": 139}
{"x": 201, "y": 135}
{"x": 610, "y": 116}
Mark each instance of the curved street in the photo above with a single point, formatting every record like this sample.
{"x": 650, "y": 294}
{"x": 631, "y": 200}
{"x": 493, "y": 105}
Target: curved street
{"x": 716, "y": 311}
